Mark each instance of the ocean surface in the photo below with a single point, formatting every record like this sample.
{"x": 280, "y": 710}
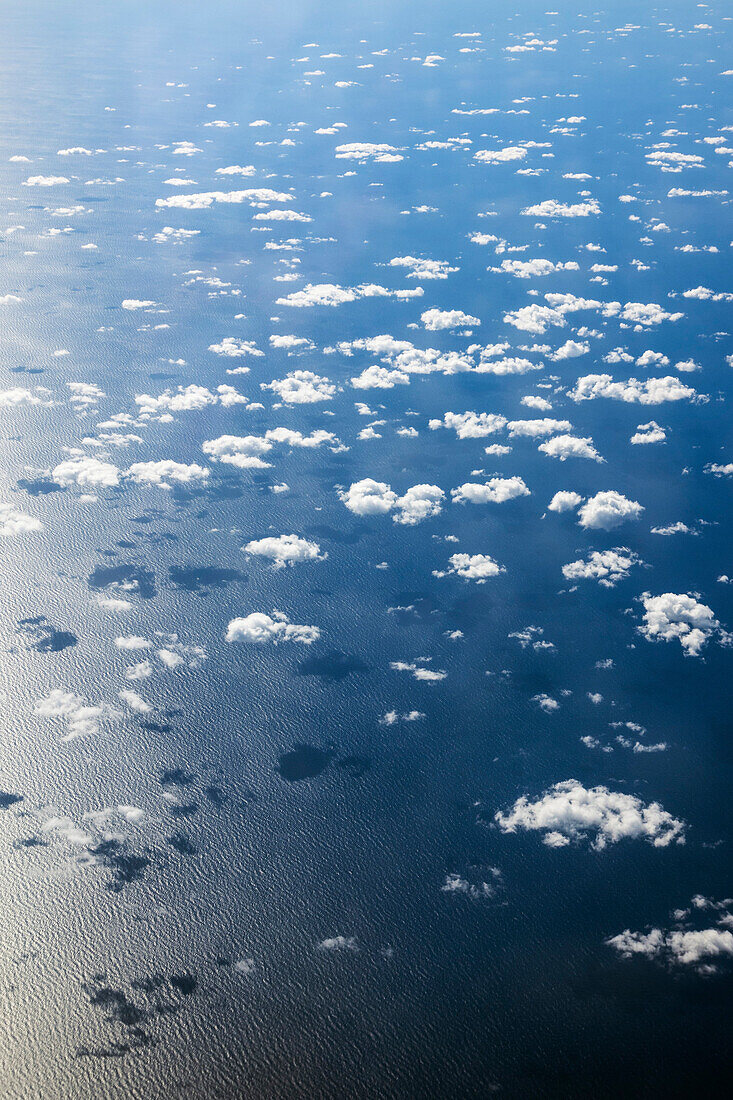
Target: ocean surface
{"x": 342, "y": 757}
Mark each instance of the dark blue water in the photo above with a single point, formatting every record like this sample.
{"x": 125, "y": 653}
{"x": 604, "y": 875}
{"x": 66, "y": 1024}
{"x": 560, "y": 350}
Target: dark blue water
{"x": 232, "y": 883}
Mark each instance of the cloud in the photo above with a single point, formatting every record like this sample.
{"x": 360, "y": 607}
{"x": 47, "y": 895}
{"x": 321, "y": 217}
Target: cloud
{"x": 435, "y": 320}
{"x": 472, "y": 567}
{"x": 647, "y": 314}
{"x": 380, "y": 378}
{"x": 81, "y": 719}
{"x": 570, "y": 446}
{"x": 564, "y": 501}
{"x": 203, "y": 200}
{"x": 568, "y": 812}
{"x": 301, "y": 387}
{"x": 331, "y": 294}
{"x": 163, "y": 472}
{"x": 368, "y": 150}
{"x": 653, "y": 391}
{"x": 648, "y": 433}
{"x": 259, "y": 629}
{"x": 500, "y": 156}
{"x": 495, "y": 491}
{"x": 420, "y": 268}
{"x": 235, "y": 349}
{"x": 531, "y": 269}
{"x": 538, "y": 427}
{"x": 132, "y": 304}
{"x": 470, "y": 425}
{"x": 605, "y": 566}
{"x": 552, "y": 208}
{"x": 607, "y": 510}
{"x": 12, "y": 399}
{"x": 45, "y": 181}
{"x": 677, "y": 616}
{"x": 702, "y": 949}
{"x": 285, "y": 549}
{"x": 13, "y": 522}
{"x": 87, "y": 473}
{"x": 376, "y": 498}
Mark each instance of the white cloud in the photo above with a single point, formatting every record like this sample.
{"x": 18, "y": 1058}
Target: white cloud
{"x": 301, "y": 387}
{"x": 81, "y": 719}
{"x": 87, "y": 473}
{"x": 552, "y": 208}
{"x": 259, "y": 628}
{"x": 532, "y": 269}
{"x": 500, "y": 156}
{"x": 605, "y": 566}
{"x": 45, "y": 181}
{"x": 564, "y": 501}
{"x": 679, "y": 616}
{"x": 163, "y": 472}
{"x": 420, "y": 268}
{"x": 653, "y": 391}
{"x": 570, "y": 446}
{"x": 13, "y": 522}
{"x": 285, "y": 549}
{"x": 435, "y": 320}
{"x": 470, "y": 425}
{"x": 538, "y": 427}
{"x": 607, "y": 510}
{"x": 132, "y": 304}
{"x": 472, "y": 567}
{"x": 648, "y": 433}
{"x": 568, "y": 811}
{"x": 203, "y": 200}
{"x": 380, "y": 378}
{"x": 374, "y": 498}
{"x": 234, "y": 348}
{"x": 368, "y": 150}
{"x": 495, "y": 491}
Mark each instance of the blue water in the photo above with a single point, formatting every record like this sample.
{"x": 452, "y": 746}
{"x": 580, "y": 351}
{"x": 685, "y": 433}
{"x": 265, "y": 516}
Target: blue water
{"x": 192, "y": 949}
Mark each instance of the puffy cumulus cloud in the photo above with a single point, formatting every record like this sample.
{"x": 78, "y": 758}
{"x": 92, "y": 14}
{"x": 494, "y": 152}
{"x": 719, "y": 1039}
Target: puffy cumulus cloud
{"x": 45, "y": 181}
{"x": 653, "y": 391}
{"x": 87, "y": 473}
{"x": 132, "y": 304}
{"x": 496, "y": 491}
{"x": 419, "y": 671}
{"x": 702, "y": 949}
{"x": 418, "y": 503}
{"x": 184, "y": 399}
{"x": 165, "y": 471}
{"x": 530, "y": 269}
{"x": 339, "y": 943}
{"x": 236, "y": 170}
{"x": 244, "y": 451}
{"x": 420, "y": 268}
{"x": 301, "y": 387}
{"x": 80, "y": 718}
{"x": 677, "y": 616}
{"x": 645, "y": 314}
{"x": 470, "y": 425}
{"x": 534, "y": 318}
{"x": 17, "y": 396}
{"x": 285, "y": 549}
{"x": 552, "y": 208}
{"x": 369, "y": 497}
{"x": 203, "y": 200}
{"x": 282, "y": 216}
{"x": 380, "y": 378}
{"x": 564, "y": 501}
{"x": 13, "y": 522}
{"x": 608, "y": 509}
{"x": 500, "y": 156}
{"x": 331, "y": 294}
{"x": 648, "y": 433}
{"x": 472, "y": 567}
{"x": 571, "y": 349}
{"x": 719, "y": 469}
{"x": 507, "y": 365}
{"x": 538, "y": 427}
{"x": 375, "y": 498}
{"x": 404, "y": 356}
{"x": 705, "y": 294}
{"x": 570, "y": 446}
{"x": 368, "y": 150}
{"x": 235, "y": 349}
{"x": 391, "y": 717}
{"x": 569, "y": 812}
{"x": 605, "y": 566}
{"x": 436, "y": 319}
{"x": 259, "y": 629}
